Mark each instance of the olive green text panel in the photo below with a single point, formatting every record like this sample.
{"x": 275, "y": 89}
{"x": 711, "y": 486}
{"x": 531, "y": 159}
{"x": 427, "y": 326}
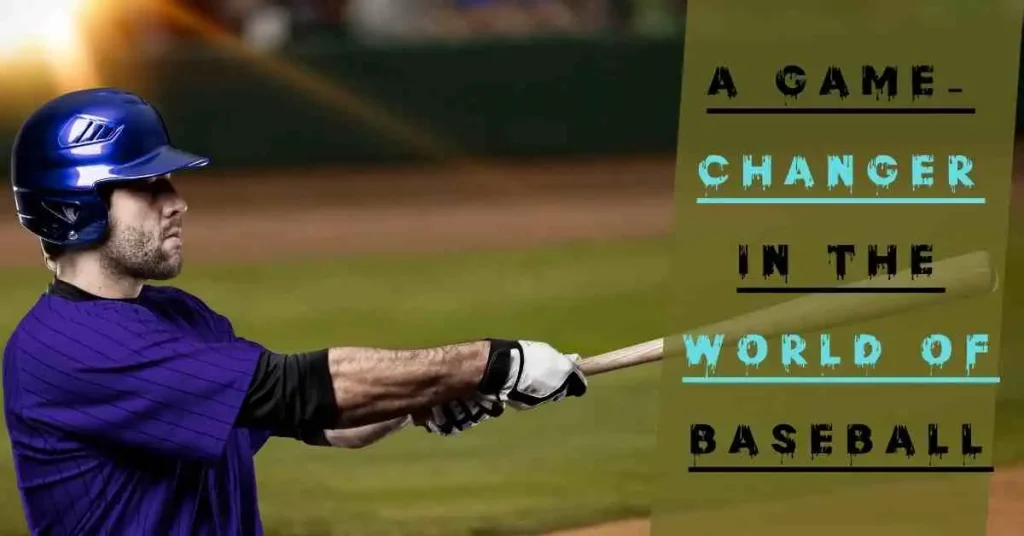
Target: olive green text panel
{"x": 775, "y": 207}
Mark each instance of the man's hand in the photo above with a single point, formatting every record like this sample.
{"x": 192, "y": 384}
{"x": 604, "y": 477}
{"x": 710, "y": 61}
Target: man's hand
{"x": 457, "y": 416}
{"x": 537, "y": 373}
{"x": 522, "y": 374}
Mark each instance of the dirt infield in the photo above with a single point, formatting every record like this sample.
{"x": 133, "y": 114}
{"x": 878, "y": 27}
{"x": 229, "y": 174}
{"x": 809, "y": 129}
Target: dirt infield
{"x": 261, "y": 216}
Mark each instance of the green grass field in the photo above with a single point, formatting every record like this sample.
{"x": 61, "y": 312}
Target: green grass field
{"x": 566, "y": 464}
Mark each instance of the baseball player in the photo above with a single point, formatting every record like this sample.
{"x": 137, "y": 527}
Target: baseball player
{"x": 135, "y": 409}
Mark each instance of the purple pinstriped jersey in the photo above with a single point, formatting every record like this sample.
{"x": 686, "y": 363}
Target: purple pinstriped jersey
{"x": 121, "y": 416}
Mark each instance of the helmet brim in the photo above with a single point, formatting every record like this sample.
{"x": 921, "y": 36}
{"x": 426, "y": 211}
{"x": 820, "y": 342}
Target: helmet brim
{"x": 162, "y": 161}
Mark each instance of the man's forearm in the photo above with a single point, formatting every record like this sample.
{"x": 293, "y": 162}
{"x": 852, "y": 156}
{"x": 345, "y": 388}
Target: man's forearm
{"x": 373, "y": 385}
{"x": 444, "y": 389}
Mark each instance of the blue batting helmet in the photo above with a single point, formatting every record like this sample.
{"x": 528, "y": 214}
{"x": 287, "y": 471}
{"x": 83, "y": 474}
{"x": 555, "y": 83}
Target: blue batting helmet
{"x": 77, "y": 142}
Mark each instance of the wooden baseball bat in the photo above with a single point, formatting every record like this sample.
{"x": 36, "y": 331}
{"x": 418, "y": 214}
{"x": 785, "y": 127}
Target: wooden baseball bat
{"x": 964, "y": 276}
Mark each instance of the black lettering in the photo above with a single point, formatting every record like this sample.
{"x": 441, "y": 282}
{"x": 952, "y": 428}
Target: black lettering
{"x": 858, "y": 439}
{"x": 900, "y": 439}
{"x": 921, "y": 76}
{"x": 784, "y": 444}
{"x": 791, "y": 80}
{"x": 821, "y": 436}
{"x": 775, "y": 258}
{"x": 968, "y": 448}
{"x": 872, "y": 82}
{"x": 920, "y": 260}
{"x": 744, "y": 439}
{"x": 702, "y": 439}
{"x": 934, "y": 448}
{"x": 834, "y": 81}
{"x": 840, "y": 252}
{"x": 744, "y": 261}
{"x": 875, "y": 260}
{"x": 722, "y": 79}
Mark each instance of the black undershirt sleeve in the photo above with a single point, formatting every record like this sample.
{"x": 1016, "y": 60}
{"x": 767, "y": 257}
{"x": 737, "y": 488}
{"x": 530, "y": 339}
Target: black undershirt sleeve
{"x": 292, "y": 396}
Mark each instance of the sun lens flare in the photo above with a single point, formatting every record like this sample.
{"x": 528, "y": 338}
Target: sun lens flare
{"x": 49, "y": 26}
{"x": 49, "y": 32}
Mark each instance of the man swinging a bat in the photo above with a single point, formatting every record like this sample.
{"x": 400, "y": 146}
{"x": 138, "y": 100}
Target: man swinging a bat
{"x": 136, "y": 409}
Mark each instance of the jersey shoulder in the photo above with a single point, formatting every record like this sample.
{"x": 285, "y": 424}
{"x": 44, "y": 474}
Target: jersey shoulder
{"x": 59, "y": 340}
{"x": 50, "y": 315}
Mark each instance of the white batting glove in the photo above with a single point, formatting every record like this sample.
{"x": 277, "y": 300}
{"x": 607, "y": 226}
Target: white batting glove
{"x": 522, "y": 374}
{"x": 537, "y": 373}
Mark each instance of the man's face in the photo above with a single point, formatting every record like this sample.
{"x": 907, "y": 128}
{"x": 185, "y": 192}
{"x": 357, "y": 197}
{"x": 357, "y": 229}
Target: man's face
{"x": 145, "y": 230}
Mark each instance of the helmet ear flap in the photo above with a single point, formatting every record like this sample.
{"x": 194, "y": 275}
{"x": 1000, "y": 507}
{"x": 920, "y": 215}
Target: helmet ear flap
{"x": 65, "y": 220}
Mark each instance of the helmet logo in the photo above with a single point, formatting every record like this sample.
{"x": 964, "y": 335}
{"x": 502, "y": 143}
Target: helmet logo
{"x": 67, "y": 213}
{"x": 87, "y": 130}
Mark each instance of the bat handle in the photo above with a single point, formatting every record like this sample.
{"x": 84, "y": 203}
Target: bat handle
{"x": 637, "y": 354}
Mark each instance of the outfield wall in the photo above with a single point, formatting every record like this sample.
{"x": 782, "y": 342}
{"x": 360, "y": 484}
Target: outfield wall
{"x": 541, "y": 98}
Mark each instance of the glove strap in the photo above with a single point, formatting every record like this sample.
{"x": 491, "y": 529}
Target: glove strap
{"x": 499, "y": 364}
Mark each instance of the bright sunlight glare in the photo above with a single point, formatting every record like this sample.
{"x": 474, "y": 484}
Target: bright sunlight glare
{"x": 49, "y": 27}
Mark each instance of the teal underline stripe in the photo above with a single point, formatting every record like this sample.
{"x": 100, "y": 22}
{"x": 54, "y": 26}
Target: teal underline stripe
{"x": 841, "y": 380}
{"x": 840, "y": 200}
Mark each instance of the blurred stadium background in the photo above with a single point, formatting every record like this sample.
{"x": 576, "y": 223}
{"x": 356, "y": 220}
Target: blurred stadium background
{"x": 404, "y": 173}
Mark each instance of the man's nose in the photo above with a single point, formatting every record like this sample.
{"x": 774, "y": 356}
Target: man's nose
{"x": 175, "y": 205}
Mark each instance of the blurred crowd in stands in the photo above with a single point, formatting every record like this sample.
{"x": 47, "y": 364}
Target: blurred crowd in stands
{"x": 268, "y": 24}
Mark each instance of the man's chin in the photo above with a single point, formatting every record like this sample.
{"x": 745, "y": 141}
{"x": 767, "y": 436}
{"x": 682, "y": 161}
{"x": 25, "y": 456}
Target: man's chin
{"x": 170, "y": 274}
{"x": 166, "y": 272}
{"x": 164, "y": 276}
